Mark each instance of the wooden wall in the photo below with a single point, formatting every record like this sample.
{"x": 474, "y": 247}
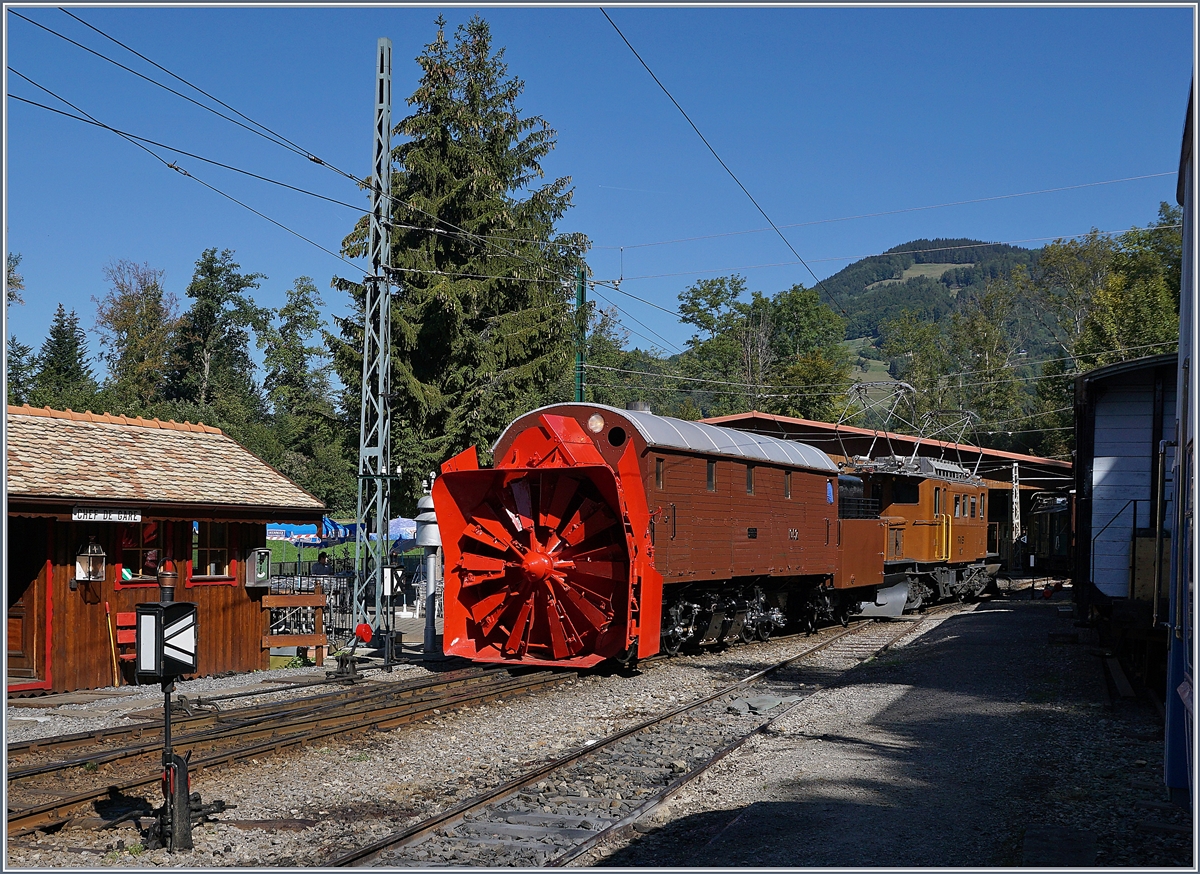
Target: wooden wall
{"x": 229, "y": 616}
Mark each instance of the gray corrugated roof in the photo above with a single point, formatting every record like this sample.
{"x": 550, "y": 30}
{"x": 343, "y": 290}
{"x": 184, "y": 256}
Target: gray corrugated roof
{"x": 668, "y": 432}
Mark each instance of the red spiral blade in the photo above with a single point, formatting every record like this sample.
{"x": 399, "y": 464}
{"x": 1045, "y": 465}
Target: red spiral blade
{"x": 558, "y": 636}
{"x": 475, "y": 569}
{"x": 592, "y": 518}
{"x": 518, "y": 641}
{"x": 589, "y": 611}
{"x": 482, "y": 608}
{"x": 562, "y": 489}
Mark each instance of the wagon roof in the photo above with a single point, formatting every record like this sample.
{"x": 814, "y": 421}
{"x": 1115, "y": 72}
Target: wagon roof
{"x": 670, "y": 433}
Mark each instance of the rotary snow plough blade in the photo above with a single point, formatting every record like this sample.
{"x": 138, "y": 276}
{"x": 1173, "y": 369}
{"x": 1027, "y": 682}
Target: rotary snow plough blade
{"x": 539, "y": 560}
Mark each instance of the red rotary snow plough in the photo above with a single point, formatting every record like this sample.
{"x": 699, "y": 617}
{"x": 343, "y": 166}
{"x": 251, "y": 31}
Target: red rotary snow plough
{"x": 548, "y": 559}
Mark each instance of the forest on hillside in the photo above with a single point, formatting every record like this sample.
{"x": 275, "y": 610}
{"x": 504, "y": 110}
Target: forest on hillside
{"x": 486, "y": 330}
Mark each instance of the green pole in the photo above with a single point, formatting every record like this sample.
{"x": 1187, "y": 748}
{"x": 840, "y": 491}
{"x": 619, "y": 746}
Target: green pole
{"x": 580, "y": 331}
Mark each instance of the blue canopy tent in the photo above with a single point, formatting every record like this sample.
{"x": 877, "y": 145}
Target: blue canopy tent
{"x": 331, "y": 533}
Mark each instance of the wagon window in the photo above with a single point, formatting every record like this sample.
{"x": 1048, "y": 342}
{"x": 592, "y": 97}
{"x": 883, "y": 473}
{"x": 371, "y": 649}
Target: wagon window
{"x": 787, "y": 483}
{"x": 712, "y": 476}
{"x": 658, "y": 472}
{"x": 749, "y": 479}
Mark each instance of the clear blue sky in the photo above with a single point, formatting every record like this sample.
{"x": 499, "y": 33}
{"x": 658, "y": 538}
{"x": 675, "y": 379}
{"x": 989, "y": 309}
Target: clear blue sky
{"x": 823, "y": 113}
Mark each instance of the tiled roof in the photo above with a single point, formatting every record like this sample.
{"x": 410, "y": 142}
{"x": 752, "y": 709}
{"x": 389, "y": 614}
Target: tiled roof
{"x": 63, "y": 454}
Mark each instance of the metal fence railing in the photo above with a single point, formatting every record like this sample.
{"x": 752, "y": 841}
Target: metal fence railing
{"x": 404, "y": 600}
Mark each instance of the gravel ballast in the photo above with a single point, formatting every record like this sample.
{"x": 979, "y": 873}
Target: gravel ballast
{"x": 944, "y": 751}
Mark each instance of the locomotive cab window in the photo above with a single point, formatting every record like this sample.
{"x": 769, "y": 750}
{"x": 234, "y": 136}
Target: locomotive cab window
{"x": 787, "y": 483}
{"x": 982, "y": 511}
{"x": 906, "y": 491}
{"x": 956, "y": 507}
{"x": 749, "y": 479}
{"x": 937, "y": 501}
{"x": 972, "y": 506}
{"x": 712, "y": 476}
{"x": 658, "y": 473}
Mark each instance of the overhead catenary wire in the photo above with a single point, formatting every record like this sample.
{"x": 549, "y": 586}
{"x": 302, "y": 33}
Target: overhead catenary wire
{"x": 897, "y": 252}
{"x": 142, "y": 142}
{"x": 892, "y": 212}
{"x": 173, "y": 166}
{"x": 955, "y": 374}
{"x": 643, "y": 324}
{"x": 277, "y": 139}
{"x": 732, "y": 175}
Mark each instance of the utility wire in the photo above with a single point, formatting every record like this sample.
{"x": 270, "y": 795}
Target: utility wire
{"x": 643, "y": 324}
{"x": 893, "y": 211}
{"x": 732, "y": 175}
{"x": 277, "y": 139}
{"x": 897, "y": 252}
{"x": 132, "y": 136}
{"x": 88, "y": 119}
{"x": 173, "y": 166}
{"x": 191, "y": 100}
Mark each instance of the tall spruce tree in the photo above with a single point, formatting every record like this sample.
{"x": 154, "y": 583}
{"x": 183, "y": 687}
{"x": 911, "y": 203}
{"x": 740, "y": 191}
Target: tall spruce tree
{"x": 481, "y": 323}
{"x": 64, "y": 377}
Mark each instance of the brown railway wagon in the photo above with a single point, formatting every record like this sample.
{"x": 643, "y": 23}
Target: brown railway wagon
{"x": 603, "y": 533}
{"x": 153, "y": 494}
{"x": 714, "y": 517}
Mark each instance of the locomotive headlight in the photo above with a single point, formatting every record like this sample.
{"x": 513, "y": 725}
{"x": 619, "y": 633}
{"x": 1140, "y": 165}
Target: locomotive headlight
{"x": 596, "y": 423}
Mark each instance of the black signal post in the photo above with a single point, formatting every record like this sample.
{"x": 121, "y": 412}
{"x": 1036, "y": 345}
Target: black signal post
{"x": 166, "y": 649}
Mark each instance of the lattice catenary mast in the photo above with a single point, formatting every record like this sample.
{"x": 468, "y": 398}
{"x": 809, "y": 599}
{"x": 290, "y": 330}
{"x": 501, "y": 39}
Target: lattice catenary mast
{"x": 374, "y": 442}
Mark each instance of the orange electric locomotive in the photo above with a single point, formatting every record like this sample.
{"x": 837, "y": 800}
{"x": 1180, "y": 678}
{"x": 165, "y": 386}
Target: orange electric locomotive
{"x": 616, "y": 534}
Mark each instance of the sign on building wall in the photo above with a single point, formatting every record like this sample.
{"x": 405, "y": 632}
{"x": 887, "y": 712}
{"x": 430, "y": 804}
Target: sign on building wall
{"x": 101, "y": 514}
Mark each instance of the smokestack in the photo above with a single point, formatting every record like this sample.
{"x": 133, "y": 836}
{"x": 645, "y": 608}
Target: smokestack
{"x": 638, "y": 406}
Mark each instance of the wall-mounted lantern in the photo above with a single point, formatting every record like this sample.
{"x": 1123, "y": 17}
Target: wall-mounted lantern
{"x": 89, "y": 563}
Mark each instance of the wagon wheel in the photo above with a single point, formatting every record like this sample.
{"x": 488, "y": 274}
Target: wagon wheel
{"x": 543, "y": 561}
{"x": 764, "y": 630}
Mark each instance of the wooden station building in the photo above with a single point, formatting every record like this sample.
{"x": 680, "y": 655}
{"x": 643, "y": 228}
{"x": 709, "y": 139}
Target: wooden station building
{"x": 151, "y": 495}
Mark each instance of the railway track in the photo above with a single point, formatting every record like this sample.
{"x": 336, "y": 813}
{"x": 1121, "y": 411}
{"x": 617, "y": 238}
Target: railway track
{"x": 561, "y": 810}
{"x": 43, "y": 792}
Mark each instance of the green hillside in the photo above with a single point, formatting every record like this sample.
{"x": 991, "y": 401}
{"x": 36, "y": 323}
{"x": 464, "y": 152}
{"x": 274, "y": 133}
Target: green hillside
{"x": 922, "y": 276}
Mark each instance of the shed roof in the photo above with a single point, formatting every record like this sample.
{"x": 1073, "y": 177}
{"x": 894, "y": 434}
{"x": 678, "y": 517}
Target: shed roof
{"x": 64, "y": 455}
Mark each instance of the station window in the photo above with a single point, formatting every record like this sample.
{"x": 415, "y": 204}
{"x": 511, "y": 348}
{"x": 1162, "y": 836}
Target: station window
{"x": 658, "y": 473}
{"x": 749, "y": 479}
{"x": 972, "y": 506}
{"x": 712, "y": 476}
{"x": 210, "y": 550}
{"x": 957, "y": 510}
{"x": 142, "y": 545}
{"x": 787, "y": 483}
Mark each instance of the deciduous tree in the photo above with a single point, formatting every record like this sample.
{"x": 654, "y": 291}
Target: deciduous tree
{"x": 138, "y": 320}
